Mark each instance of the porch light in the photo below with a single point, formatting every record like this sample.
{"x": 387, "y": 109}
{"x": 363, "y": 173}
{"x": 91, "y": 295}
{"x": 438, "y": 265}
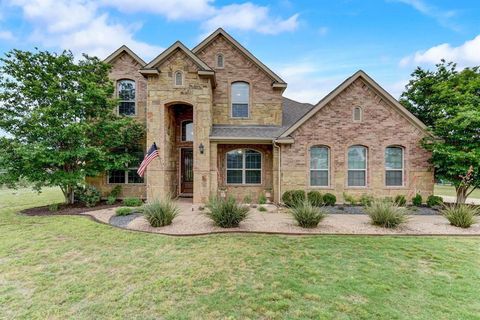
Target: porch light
{"x": 201, "y": 148}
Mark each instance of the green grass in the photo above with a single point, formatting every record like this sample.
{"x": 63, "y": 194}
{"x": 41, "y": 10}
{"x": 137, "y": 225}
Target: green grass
{"x": 444, "y": 190}
{"x": 72, "y": 267}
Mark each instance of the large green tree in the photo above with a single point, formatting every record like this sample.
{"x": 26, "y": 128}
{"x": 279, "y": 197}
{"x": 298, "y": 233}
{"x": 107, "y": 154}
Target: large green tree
{"x": 59, "y": 116}
{"x": 448, "y": 102}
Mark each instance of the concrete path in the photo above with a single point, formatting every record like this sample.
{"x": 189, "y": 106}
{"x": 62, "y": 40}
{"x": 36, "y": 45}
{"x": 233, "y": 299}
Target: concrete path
{"x": 450, "y": 199}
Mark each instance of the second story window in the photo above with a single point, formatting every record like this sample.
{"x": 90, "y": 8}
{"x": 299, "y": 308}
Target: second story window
{"x": 126, "y": 97}
{"x": 240, "y": 99}
{"x": 178, "y": 78}
{"x": 187, "y": 130}
{"x": 220, "y": 61}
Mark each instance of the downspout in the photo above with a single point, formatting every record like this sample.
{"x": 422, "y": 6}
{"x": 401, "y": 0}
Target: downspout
{"x": 279, "y": 147}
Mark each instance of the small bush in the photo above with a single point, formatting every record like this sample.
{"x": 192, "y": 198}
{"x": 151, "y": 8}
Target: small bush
{"x": 433, "y": 201}
{"x": 386, "y": 214}
{"x": 53, "y": 207}
{"x": 293, "y": 197}
{"x": 262, "y": 209}
{"x": 366, "y": 200}
{"x": 417, "y": 200}
{"x": 132, "y": 202}
{"x": 349, "y": 199}
{"x": 160, "y": 213}
{"x": 247, "y": 199}
{"x": 262, "y": 199}
{"x": 111, "y": 200}
{"x": 307, "y": 215}
{"x": 116, "y": 191}
{"x": 123, "y": 211}
{"x": 226, "y": 213}
{"x": 462, "y": 215}
{"x": 315, "y": 198}
{"x": 329, "y": 199}
{"x": 89, "y": 196}
{"x": 400, "y": 200}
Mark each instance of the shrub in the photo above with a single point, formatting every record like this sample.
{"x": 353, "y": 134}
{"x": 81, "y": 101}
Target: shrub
{"x": 226, "y": 213}
{"x": 160, "y": 213}
{"x": 329, "y": 199}
{"x": 89, "y": 196}
{"x": 132, "y": 202}
{"x": 366, "y": 200}
{"x": 53, "y": 207}
{"x": 262, "y": 209}
{"x": 315, "y": 198}
{"x": 307, "y": 215}
{"x": 400, "y": 200}
{"x": 417, "y": 200}
{"x": 293, "y": 197}
{"x": 116, "y": 191}
{"x": 349, "y": 198}
{"x": 262, "y": 199}
{"x": 111, "y": 200}
{"x": 433, "y": 201}
{"x": 462, "y": 215}
{"x": 386, "y": 214}
{"x": 247, "y": 199}
{"x": 123, "y": 211}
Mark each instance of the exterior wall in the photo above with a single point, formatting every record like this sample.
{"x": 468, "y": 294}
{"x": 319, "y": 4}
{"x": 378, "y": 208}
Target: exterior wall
{"x": 241, "y": 191}
{"x": 382, "y": 126}
{"x": 265, "y": 102}
{"x": 128, "y": 190}
{"x": 197, "y": 92}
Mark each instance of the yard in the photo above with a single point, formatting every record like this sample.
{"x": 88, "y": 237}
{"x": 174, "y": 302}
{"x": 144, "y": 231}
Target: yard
{"x": 71, "y": 267}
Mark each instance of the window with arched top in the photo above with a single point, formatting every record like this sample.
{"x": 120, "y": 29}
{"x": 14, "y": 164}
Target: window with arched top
{"x": 187, "y": 130}
{"x": 178, "y": 78}
{"x": 244, "y": 166}
{"x": 240, "y": 96}
{"x": 357, "y": 166}
{"x": 357, "y": 114}
{"x": 220, "y": 60}
{"x": 394, "y": 166}
{"x": 126, "y": 97}
{"x": 319, "y": 166}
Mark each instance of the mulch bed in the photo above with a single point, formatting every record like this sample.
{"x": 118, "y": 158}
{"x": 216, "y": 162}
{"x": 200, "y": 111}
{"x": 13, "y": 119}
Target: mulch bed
{"x": 67, "y": 209}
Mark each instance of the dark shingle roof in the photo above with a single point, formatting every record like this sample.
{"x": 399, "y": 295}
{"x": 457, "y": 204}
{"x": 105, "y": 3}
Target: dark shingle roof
{"x": 292, "y": 112}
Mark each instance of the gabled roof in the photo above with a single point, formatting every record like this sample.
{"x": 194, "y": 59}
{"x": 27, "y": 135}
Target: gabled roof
{"x": 127, "y": 50}
{"x": 178, "y": 45}
{"x": 382, "y": 92}
{"x": 279, "y": 81}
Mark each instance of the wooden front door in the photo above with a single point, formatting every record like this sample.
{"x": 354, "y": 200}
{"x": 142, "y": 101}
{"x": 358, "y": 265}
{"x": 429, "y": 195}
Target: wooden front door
{"x": 186, "y": 171}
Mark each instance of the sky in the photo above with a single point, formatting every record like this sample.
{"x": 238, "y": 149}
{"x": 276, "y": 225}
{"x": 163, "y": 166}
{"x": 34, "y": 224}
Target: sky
{"x": 312, "y": 45}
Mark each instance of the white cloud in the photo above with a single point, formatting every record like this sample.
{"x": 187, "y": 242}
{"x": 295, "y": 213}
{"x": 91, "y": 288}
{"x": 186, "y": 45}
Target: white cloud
{"x": 444, "y": 17}
{"x": 466, "y": 54}
{"x": 6, "y": 35}
{"x": 323, "y": 31}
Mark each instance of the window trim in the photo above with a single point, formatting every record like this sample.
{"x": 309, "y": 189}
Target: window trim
{"x": 231, "y": 99}
{"x": 117, "y": 94}
{"x": 175, "y": 79}
{"x": 216, "y": 60}
{"x": 328, "y": 166}
{"x": 181, "y": 130}
{"x": 366, "y": 167}
{"x": 402, "y": 170}
{"x": 361, "y": 114}
{"x": 244, "y": 170}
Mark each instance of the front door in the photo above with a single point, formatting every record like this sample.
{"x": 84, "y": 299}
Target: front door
{"x": 186, "y": 171}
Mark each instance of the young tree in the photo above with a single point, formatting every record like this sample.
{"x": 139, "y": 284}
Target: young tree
{"x": 60, "y": 119}
{"x": 448, "y": 101}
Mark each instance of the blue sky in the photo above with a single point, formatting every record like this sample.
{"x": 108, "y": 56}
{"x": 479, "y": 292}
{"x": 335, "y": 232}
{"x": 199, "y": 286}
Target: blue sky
{"x": 313, "y": 45}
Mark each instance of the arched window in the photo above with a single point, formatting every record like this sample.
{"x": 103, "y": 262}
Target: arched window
{"x": 357, "y": 166}
{"x": 187, "y": 130}
{"x": 178, "y": 78}
{"x": 220, "y": 61}
{"x": 319, "y": 166}
{"x": 244, "y": 166}
{"x": 240, "y": 99}
{"x": 126, "y": 97}
{"x": 357, "y": 114}
{"x": 394, "y": 166}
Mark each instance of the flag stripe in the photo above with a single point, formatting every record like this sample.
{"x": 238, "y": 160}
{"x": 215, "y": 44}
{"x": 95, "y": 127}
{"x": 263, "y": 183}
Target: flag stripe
{"x": 149, "y": 157}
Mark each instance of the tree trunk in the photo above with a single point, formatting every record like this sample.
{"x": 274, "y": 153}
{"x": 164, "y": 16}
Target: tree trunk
{"x": 68, "y": 194}
{"x": 461, "y": 194}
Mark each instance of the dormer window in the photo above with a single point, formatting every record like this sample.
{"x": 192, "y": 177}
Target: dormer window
{"x": 240, "y": 99}
{"x": 220, "y": 61}
{"x": 178, "y": 78}
{"x": 357, "y": 114}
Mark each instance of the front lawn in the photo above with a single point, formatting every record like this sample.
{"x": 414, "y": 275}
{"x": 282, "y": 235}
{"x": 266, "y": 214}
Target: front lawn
{"x": 71, "y": 267}
{"x": 446, "y": 190}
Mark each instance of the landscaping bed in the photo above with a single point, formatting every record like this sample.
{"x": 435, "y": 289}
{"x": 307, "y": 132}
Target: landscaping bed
{"x": 352, "y": 209}
{"x": 68, "y": 209}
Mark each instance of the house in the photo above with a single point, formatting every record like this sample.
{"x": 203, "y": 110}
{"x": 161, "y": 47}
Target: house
{"x": 221, "y": 124}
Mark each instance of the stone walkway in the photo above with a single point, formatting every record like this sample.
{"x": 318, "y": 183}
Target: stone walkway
{"x": 191, "y": 221}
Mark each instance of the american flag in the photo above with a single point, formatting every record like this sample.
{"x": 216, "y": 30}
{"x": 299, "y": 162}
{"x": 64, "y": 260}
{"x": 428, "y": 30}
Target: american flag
{"x": 151, "y": 154}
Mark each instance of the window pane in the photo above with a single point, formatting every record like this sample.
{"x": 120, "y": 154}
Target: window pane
{"x": 357, "y": 157}
{"x": 394, "y": 178}
{"x": 240, "y": 92}
{"x": 126, "y": 90}
{"x": 394, "y": 158}
{"x": 116, "y": 176}
{"x": 178, "y": 78}
{"x": 239, "y": 110}
{"x": 319, "y": 178}
{"x": 220, "y": 61}
{"x": 234, "y": 176}
{"x": 126, "y": 108}
{"x": 187, "y": 131}
{"x": 253, "y": 159}
{"x": 133, "y": 176}
{"x": 357, "y": 114}
{"x": 319, "y": 158}
{"x": 356, "y": 178}
{"x": 253, "y": 176}
{"x": 235, "y": 159}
